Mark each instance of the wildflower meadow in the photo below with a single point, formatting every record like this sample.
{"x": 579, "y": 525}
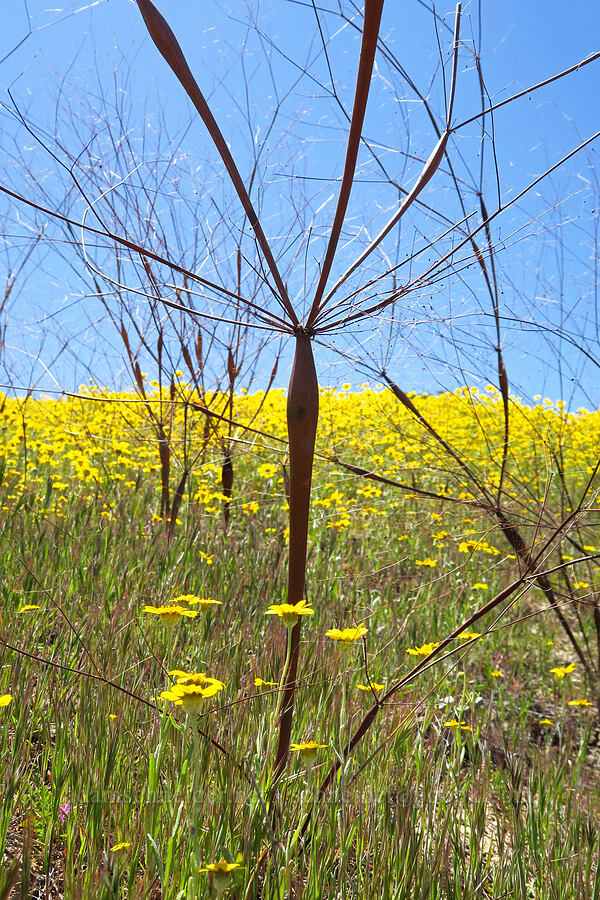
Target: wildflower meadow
{"x": 299, "y": 450}
{"x": 142, "y": 667}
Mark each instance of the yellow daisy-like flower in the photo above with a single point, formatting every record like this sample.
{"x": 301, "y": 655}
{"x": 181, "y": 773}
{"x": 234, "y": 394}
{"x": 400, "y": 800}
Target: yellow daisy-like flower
{"x": 425, "y": 650}
{"x": 191, "y": 696}
{"x": 122, "y": 845}
{"x": 290, "y": 612}
{"x": 5, "y": 699}
{"x": 497, "y": 673}
{"x": 347, "y": 636}
{"x": 186, "y": 600}
{"x": 561, "y": 671}
{"x": 308, "y": 751}
{"x": 454, "y": 723}
{"x": 222, "y": 866}
{"x": 198, "y": 678}
{"x": 27, "y": 607}
{"x": 546, "y": 722}
{"x": 219, "y": 874}
{"x": 266, "y": 470}
{"x": 371, "y": 687}
{"x": 468, "y": 635}
{"x": 170, "y": 615}
{"x": 582, "y": 702}
{"x": 260, "y": 682}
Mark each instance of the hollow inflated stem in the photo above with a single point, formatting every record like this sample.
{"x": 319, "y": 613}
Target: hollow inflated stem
{"x": 302, "y": 418}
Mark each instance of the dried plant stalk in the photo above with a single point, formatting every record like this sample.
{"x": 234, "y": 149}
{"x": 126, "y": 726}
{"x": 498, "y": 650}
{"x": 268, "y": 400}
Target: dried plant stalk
{"x": 302, "y": 418}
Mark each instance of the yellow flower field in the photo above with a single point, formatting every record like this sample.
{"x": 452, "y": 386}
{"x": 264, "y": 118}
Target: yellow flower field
{"x": 72, "y": 446}
{"x": 449, "y": 618}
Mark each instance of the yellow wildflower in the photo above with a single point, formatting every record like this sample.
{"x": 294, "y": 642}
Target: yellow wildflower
{"x": 170, "y": 615}
{"x": 582, "y": 702}
{"x": 5, "y": 699}
{"x": 186, "y": 600}
{"x": 425, "y": 650}
{"x": 260, "y": 682}
{"x": 454, "y": 723}
{"x": 468, "y": 635}
{"x": 561, "y": 671}
{"x": 290, "y": 612}
{"x": 191, "y": 696}
{"x": 371, "y": 687}
{"x": 346, "y": 636}
{"x": 196, "y": 678}
{"x": 220, "y": 874}
{"x": 221, "y": 866}
{"x": 308, "y": 751}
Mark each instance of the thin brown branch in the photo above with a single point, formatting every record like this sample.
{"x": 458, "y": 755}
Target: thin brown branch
{"x": 529, "y": 90}
{"x": 427, "y": 173}
{"x": 131, "y": 245}
{"x": 423, "y": 279}
{"x": 169, "y": 48}
{"x": 371, "y": 23}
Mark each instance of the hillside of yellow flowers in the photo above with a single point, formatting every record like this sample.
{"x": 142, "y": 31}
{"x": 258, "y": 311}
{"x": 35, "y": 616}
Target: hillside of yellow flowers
{"x": 73, "y": 446}
{"x": 451, "y": 608}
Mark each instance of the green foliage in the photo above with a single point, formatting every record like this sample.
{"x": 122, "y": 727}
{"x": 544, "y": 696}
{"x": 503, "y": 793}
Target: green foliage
{"x": 497, "y": 804}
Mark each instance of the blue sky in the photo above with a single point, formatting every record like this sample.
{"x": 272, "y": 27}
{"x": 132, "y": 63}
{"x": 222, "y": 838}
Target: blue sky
{"x": 545, "y": 243}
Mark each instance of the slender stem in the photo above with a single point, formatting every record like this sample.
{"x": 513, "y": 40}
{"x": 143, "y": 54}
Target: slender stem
{"x": 427, "y": 173}
{"x": 227, "y": 485}
{"x": 284, "y": 674}
{"x": 169, "y": 48}
{"x": 196, "y": 791}
{"x": 372, "y": 21}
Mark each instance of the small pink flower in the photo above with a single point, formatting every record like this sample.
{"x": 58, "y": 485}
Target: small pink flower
{"x": 63, "y": 811}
